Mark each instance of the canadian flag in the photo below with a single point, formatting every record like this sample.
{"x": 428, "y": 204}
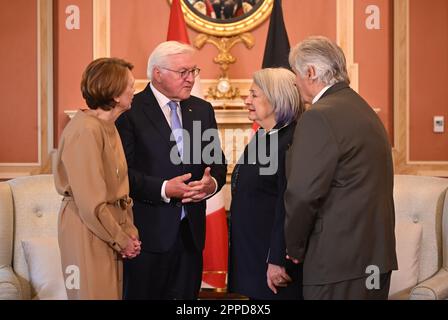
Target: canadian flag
{"x": 214, "y": 274}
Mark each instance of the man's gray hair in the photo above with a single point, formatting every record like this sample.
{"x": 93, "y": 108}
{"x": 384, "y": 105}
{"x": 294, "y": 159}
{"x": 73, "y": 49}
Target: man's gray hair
{"x": 159, "y": 57}
{"x": 278, "y": 85}
{"x": 325, "y": 56}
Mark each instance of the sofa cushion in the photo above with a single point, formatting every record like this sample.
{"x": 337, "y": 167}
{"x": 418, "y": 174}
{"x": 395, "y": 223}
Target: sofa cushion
{"x": 9, "y": 285}
{"x": 421, "y": 200}
{"x": 36, "y": 206}
{"x": 408, "y": 237}
{"x": 44, "y": 264}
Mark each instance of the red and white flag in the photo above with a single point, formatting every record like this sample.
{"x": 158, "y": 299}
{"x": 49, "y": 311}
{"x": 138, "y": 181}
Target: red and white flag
{"x": 216, "y": 244}
{"x": 255, "y": 127}
{"x": 216, "y": 239}
{"x": 177, "y": 29}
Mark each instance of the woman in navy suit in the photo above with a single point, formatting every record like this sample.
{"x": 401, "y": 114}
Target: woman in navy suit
{"x": 258, "y": 267}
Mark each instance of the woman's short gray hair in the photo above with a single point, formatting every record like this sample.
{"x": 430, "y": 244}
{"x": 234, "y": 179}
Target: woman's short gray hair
{"x": 278, "y": 85}
{"x": 161, "y": 53}
{"x": 325, "y": 56}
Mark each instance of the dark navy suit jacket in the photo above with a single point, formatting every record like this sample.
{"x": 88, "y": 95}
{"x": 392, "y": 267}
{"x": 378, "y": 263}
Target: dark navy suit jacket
{"x": 145, "y": 135}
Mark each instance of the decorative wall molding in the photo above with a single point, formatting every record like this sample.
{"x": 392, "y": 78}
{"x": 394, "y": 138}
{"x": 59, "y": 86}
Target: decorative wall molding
{"x": 45, "y": 84}
{"x": 403, "y": 165}
{"x": 101, "y": 28}
{"x": 345, "y": 37}
{"x": 242, "y": 84}
{"x": 44, "y": 102}
{"x": 140, "y": 84}
{"x": 233, "y": 117}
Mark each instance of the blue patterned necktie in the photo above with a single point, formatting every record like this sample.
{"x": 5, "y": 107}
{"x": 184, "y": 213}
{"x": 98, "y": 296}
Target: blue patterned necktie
{"x": 176, "y": 129}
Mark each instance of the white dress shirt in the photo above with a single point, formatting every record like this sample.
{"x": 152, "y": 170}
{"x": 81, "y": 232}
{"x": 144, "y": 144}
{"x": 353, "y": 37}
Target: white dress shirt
{"x": 321, "y": 93}
{"x": 163, "y": 103}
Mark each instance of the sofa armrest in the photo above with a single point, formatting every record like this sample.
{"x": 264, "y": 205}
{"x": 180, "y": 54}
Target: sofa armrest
{"x": 9, "y": 285}
{"x": 434, "y": 288}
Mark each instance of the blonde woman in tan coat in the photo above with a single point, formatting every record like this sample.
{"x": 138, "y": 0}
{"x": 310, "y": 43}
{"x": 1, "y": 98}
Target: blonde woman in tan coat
{"x": 96, "y": 229}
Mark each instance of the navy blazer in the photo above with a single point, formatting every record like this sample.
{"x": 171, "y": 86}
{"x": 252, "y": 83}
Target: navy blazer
{"x": 257, "y": 222}
{"x": 145, "y": 135}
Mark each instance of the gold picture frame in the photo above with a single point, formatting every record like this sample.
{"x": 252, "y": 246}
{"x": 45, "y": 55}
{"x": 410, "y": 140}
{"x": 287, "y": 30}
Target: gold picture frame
{"x": 226, "y": 27}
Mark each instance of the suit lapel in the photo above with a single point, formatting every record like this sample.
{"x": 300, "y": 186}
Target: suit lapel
{"x": 187, "y": 124}
{"x": 187, "y": 116}
{"x": 155, "y": 115}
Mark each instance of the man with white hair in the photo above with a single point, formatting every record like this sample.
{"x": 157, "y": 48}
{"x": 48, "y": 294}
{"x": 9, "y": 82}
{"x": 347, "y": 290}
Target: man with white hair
{"x": 339, "y": 198}
{"x": 168, "y": 182}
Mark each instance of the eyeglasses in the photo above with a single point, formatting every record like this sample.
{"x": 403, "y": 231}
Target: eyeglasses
{"x": 185, "y": 73}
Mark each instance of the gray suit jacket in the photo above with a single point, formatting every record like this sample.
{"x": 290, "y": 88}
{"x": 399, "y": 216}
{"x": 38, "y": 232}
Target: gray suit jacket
{"x": 339, "y": 200}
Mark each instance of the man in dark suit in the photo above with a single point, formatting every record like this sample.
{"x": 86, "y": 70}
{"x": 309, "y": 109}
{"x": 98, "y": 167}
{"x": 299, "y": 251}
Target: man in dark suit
{"x": 169, "y": 177}
{"x": 339, "y": 199}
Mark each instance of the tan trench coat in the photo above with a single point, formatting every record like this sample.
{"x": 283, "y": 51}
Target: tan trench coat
{"x": 91, "y": 174}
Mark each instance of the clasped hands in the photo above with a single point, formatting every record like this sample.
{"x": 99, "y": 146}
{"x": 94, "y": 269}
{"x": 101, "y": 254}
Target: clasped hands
{"x": 132, "y": 249}
{"x": 194, "y": 191}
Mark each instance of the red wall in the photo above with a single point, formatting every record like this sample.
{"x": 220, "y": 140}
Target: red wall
{"x": 73, "y": 50}
{"x": 138, "y": 25}
{"x": 18, "y": 67}
{"x": 134, "y": 35}
{"x": 137, "y": 29}
{"x": 428, "y": 78}
{"x": 374, "y": 55}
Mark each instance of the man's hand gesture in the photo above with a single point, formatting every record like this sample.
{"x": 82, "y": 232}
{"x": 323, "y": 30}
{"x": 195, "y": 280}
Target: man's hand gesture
{"x": 200, "y": 189}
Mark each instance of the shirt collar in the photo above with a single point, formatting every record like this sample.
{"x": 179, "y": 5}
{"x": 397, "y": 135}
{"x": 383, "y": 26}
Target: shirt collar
{"x": 274, "y": 130}
{"x": 160, "y": 97}
{"x": 321, "y": 93}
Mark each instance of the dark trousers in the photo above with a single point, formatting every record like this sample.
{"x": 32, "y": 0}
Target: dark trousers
{"x": 355, "y": 289}
{"x": 175, "y": 274}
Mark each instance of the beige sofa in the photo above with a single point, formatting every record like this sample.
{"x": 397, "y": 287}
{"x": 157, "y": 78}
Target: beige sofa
{"x": 421, "y": 210}
{"x": 28, "y": 219}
